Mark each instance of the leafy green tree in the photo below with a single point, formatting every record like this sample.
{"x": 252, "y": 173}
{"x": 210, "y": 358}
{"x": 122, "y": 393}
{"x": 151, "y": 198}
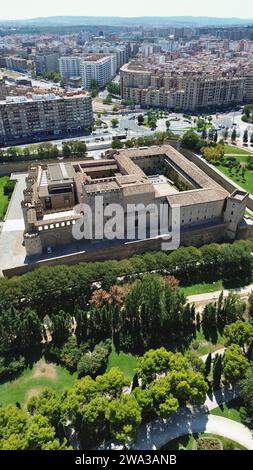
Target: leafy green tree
{"x": 94, "y": 88}
{"x": 248, "y": 110}
{"x": 240, "y": 333}
{"x": 93, "y": 363}
{"x": 169, "y": 406}
{"x": 114, "y": 122}
{"x": 21, "y": 431}
{"x": 73, "y": 399}
{"x": 124, "y": 417}
{"x": 188, "y": 386}
{"x": 235, "y": 364}
{"x": 117, "y": 144}
{"x": 191, "y": 140}
{"x": 70, "y": 354}
{"x": 39, "y": 433}
{"x": 247, "y": 397}
{"x": 112, "y": 383}
{"x": 94, "y": 422}
{"x": 195, "y": 362}
{"x": 47, "y": 403}
{"x": 108, "y": 99}
{"x": 113, "y": 88}
{"x": 9, "y": 188}
{"x": 66, "y": 149}
{"x": 154, "y": 361}
{"x": 145, "y": 401}
{"x": 13, "y": 428}
{"x": 140, "y": 119}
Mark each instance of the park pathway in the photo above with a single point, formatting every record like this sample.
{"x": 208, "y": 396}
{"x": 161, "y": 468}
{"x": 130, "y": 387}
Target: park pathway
{"x": 158, "y": 433}
{"x": 218, "y": 351}
{"x": 187, "y": 420}
{"x": 213, "y": 296}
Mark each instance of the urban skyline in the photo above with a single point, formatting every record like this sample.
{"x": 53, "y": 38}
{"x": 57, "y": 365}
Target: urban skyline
{"x": 224, "y": 9}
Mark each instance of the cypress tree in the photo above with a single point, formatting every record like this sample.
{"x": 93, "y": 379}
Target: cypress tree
{"x": 208, "y": 364}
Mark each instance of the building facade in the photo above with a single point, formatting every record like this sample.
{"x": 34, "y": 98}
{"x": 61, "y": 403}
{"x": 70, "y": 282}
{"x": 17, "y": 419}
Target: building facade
{"x": 156, "y": 87}
{"x": 23, "y": 119}
{"x": 46, "y": 62}
{"x": 69, "y": 66}
{"x": 99, "y": 67}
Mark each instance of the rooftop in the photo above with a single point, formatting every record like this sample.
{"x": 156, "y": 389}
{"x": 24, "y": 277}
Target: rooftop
{"x": 197, "y": 196}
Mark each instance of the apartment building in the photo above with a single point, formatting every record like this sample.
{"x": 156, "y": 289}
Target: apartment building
{"x": 18, "y": 64}
{"x": 120, "y": 51}
{"x": 210, "y": 92}
{"x": 150, "y": 84}
{"x": 46, "y": 62}
{"x": 99, "y": 67}
{"x": 69, "y": 66}
{"x": 3, "y": 90}
{"x": 249, "y": 88}
{"x": 25, "y": 119}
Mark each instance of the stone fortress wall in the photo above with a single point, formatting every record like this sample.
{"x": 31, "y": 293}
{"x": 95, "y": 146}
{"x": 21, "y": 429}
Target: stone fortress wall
{"x": 208, "y": 211}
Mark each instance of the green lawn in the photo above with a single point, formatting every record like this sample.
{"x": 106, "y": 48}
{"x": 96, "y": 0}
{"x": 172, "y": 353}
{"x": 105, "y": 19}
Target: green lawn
{"x": 230, "y": 410}
{"x": 242, "y": 156}
{"x": 126, "y": 362}
{"x": 3, "y": 198}
{"x": 188, "y": 442}
{"x": 207, "y": 346}
{"x": 202, "y": 288}
{"x": 233, "y": 150}
{"x": 246, "y": 183}
{"x": 33, "y": 381}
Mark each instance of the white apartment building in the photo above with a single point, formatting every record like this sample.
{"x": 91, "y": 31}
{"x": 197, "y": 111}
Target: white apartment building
{"x": 99, "y": 67}
{"x": 120, "y": 51}
{"x": 69, "y": 66}
{"x": 249, "y": 88}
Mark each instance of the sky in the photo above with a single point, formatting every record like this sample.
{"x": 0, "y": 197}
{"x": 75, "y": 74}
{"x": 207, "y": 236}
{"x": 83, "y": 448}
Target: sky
{"x": 23, "y": 9}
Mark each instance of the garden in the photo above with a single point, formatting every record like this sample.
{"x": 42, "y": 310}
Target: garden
{"x": 202, "y": 441}
{"x": 6, "y": 190}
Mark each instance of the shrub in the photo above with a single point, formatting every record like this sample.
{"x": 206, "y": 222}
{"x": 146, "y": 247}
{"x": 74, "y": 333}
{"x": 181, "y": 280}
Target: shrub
{"x": 208, "y": 443}
{"x": 10, "y": 368}
{"x": 94, "y": 363}
{"x": 9, "y": 188}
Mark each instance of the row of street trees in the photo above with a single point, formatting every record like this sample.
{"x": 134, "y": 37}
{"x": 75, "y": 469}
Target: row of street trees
{"x": 43, "y": 151}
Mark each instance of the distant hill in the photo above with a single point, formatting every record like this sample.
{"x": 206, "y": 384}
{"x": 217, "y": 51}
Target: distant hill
{"x": 113, "y": 20}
